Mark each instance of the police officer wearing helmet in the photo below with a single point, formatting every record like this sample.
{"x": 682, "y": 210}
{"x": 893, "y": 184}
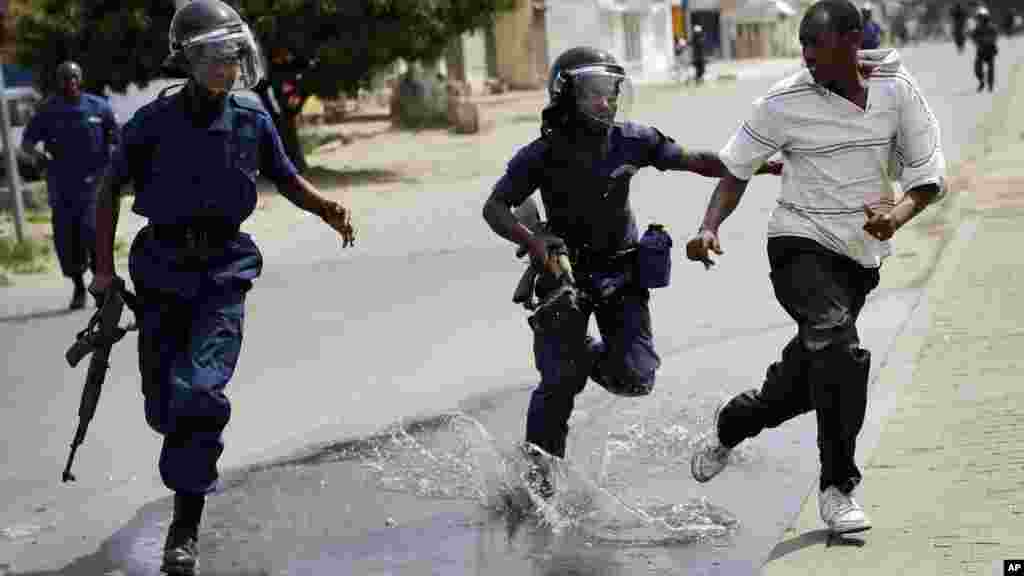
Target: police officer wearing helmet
{"x": 582, "y": 164}
{"x": 986, "y": 38}
{"x": 193, "y": 157}
{"x": 78, "y": 131}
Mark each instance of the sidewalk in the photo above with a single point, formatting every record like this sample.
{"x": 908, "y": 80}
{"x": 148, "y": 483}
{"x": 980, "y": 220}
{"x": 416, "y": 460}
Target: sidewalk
{"x": 944, "y": 485}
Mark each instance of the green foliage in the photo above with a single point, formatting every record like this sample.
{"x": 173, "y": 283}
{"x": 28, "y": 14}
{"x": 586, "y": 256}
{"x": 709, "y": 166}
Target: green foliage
{"x": 119, "y": 42}
{"x": 26, "y": 257}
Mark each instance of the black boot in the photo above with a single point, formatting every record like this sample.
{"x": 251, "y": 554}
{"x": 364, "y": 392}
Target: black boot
{"x": 181, "y": 551}
{"x": 538, "y": 473}
{"x": 78, "y": 296}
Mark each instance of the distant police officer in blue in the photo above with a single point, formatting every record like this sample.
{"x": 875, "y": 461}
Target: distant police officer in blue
{"x": 872, "y": 31}
{"x": 193, "y": 157}
{"x": 78, "y": 131}
{"x": 582, "y": 164}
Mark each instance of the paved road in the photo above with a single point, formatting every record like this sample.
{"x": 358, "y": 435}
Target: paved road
{"x": 417, "y": 321}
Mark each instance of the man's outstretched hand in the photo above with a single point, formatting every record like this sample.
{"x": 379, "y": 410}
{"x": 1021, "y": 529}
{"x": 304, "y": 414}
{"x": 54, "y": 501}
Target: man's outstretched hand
{"x": 699, "y": 248}
{"x": 339, "y": 218}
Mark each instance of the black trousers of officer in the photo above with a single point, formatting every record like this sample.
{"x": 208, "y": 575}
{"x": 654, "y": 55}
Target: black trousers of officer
{"x": 74, "y": 236}
{"x": 985, "y": 68}
{"x": 566, "y": 358}
{"x": 823, "y": 368}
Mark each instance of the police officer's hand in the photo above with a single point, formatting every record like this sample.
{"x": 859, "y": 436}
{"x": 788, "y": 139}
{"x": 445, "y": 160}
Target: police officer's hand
{"x": 339, "y": 218}
{"x": 540, "y": 247}
{"x": 700, "y": 246}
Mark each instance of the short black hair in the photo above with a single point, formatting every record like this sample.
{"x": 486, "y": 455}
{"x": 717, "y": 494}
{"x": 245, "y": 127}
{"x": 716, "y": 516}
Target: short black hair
{"x": 843, "y": 16}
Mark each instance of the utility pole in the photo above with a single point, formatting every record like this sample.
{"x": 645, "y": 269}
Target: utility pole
{"x": 13, "y": 181}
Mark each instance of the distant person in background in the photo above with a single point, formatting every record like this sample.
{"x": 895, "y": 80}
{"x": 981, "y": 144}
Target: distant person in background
{"x": 682, "y": 65}
{"x": 78, "y": 132}
{"x": 872, "y": 31}
{"x": 985, "y": 37}
{"x": 699, "y": 53}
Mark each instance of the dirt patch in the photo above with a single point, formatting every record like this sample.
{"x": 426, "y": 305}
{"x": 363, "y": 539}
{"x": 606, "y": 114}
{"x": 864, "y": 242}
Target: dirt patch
{"x": 1001, "y": 192}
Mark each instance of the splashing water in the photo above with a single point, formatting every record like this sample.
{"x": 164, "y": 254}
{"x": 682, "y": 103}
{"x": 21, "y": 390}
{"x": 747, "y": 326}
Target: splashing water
{"x": 453, "y": 456}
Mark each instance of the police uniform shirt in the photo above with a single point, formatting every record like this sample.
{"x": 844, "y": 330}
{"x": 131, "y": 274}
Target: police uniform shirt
{"x": 76, "y": 136}
{"x": 187, "y": 174}
{"x": 840, "y": 157}
{"x": 588, "y": 208}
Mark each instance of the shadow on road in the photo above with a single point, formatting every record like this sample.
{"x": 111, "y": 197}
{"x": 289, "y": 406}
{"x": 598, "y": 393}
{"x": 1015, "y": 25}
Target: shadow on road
{"x": 812, "y": 538}
{"x": 134, "y": 550}
{"x": 327, "y": 179}
{"x": 39, "y": 315}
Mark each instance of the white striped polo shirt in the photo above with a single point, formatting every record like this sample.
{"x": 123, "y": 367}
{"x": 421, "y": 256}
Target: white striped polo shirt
{"x": 838, "y": 156}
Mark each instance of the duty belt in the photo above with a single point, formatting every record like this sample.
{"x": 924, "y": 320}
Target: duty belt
{"x": 194, "y": 242}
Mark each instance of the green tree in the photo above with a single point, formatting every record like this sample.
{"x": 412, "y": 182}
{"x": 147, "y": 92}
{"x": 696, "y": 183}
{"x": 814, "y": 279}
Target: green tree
{"x": 311, "y": 47}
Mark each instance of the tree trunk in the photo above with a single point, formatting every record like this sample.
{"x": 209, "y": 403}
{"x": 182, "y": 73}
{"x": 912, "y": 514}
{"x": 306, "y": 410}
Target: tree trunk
{"x": 288, "y": 128}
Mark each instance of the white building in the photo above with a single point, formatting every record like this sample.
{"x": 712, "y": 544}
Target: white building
{"x": 637, "y": 32}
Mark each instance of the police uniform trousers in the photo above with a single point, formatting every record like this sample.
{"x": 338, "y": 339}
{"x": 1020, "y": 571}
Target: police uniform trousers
{"x": 73, "y": 217}
{"x": 985, "y": 67}
{"x": 190, "y": 317}
{"x": 822, "y": 368}
{"x": 623, "y": 358}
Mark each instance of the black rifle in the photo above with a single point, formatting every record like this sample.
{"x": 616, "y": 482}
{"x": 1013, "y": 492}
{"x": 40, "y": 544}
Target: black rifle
{"x": 560, "y": 301}
{"x": 99, "y": 336}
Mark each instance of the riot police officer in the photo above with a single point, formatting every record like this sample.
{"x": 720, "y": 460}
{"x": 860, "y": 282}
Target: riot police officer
{"x": 193, "y": 156}
{"x": 582, "y": 164}
{"x": 78, "y": 131}
{"x": 985, "y": 37}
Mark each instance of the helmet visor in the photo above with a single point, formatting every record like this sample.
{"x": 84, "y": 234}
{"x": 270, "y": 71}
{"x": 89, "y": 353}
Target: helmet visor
{"x": 602, "y": 95}
{"x": 225, "y": 59}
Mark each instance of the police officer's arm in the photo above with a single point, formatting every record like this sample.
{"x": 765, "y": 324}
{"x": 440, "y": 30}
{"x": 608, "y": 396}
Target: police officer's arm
{"x": 34, "y": 133}
{"x": 668, "y": 155}
{"x": 512, "y": 189}
{"x": 304, "y": 195}
{"x": 108, "y": 211}
{"x": 276, "y": 165}
{"x": 111, "y": 131}
{"x": 118, "y": 172}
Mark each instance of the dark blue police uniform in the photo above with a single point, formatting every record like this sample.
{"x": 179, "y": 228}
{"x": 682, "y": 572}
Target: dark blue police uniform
{"x": 589, "y": 209}
{"x": 872, "y": 35}
{"x": 192, "y": 267}
{"x": 79, "y": 137}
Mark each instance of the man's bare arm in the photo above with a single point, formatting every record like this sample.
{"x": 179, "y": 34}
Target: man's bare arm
{"x": 723, "y": 201}
{"x": 883, "y": 225}
{"x": 914, "y": 201}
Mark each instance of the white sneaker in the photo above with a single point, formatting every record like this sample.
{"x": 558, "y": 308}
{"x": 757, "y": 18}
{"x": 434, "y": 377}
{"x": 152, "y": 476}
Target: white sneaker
{"x": 711, "y": 458}
{"x": 841, "y": 512}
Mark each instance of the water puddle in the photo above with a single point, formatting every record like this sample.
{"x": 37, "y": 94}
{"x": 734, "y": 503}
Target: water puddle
{"x": 627, "y": 499}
